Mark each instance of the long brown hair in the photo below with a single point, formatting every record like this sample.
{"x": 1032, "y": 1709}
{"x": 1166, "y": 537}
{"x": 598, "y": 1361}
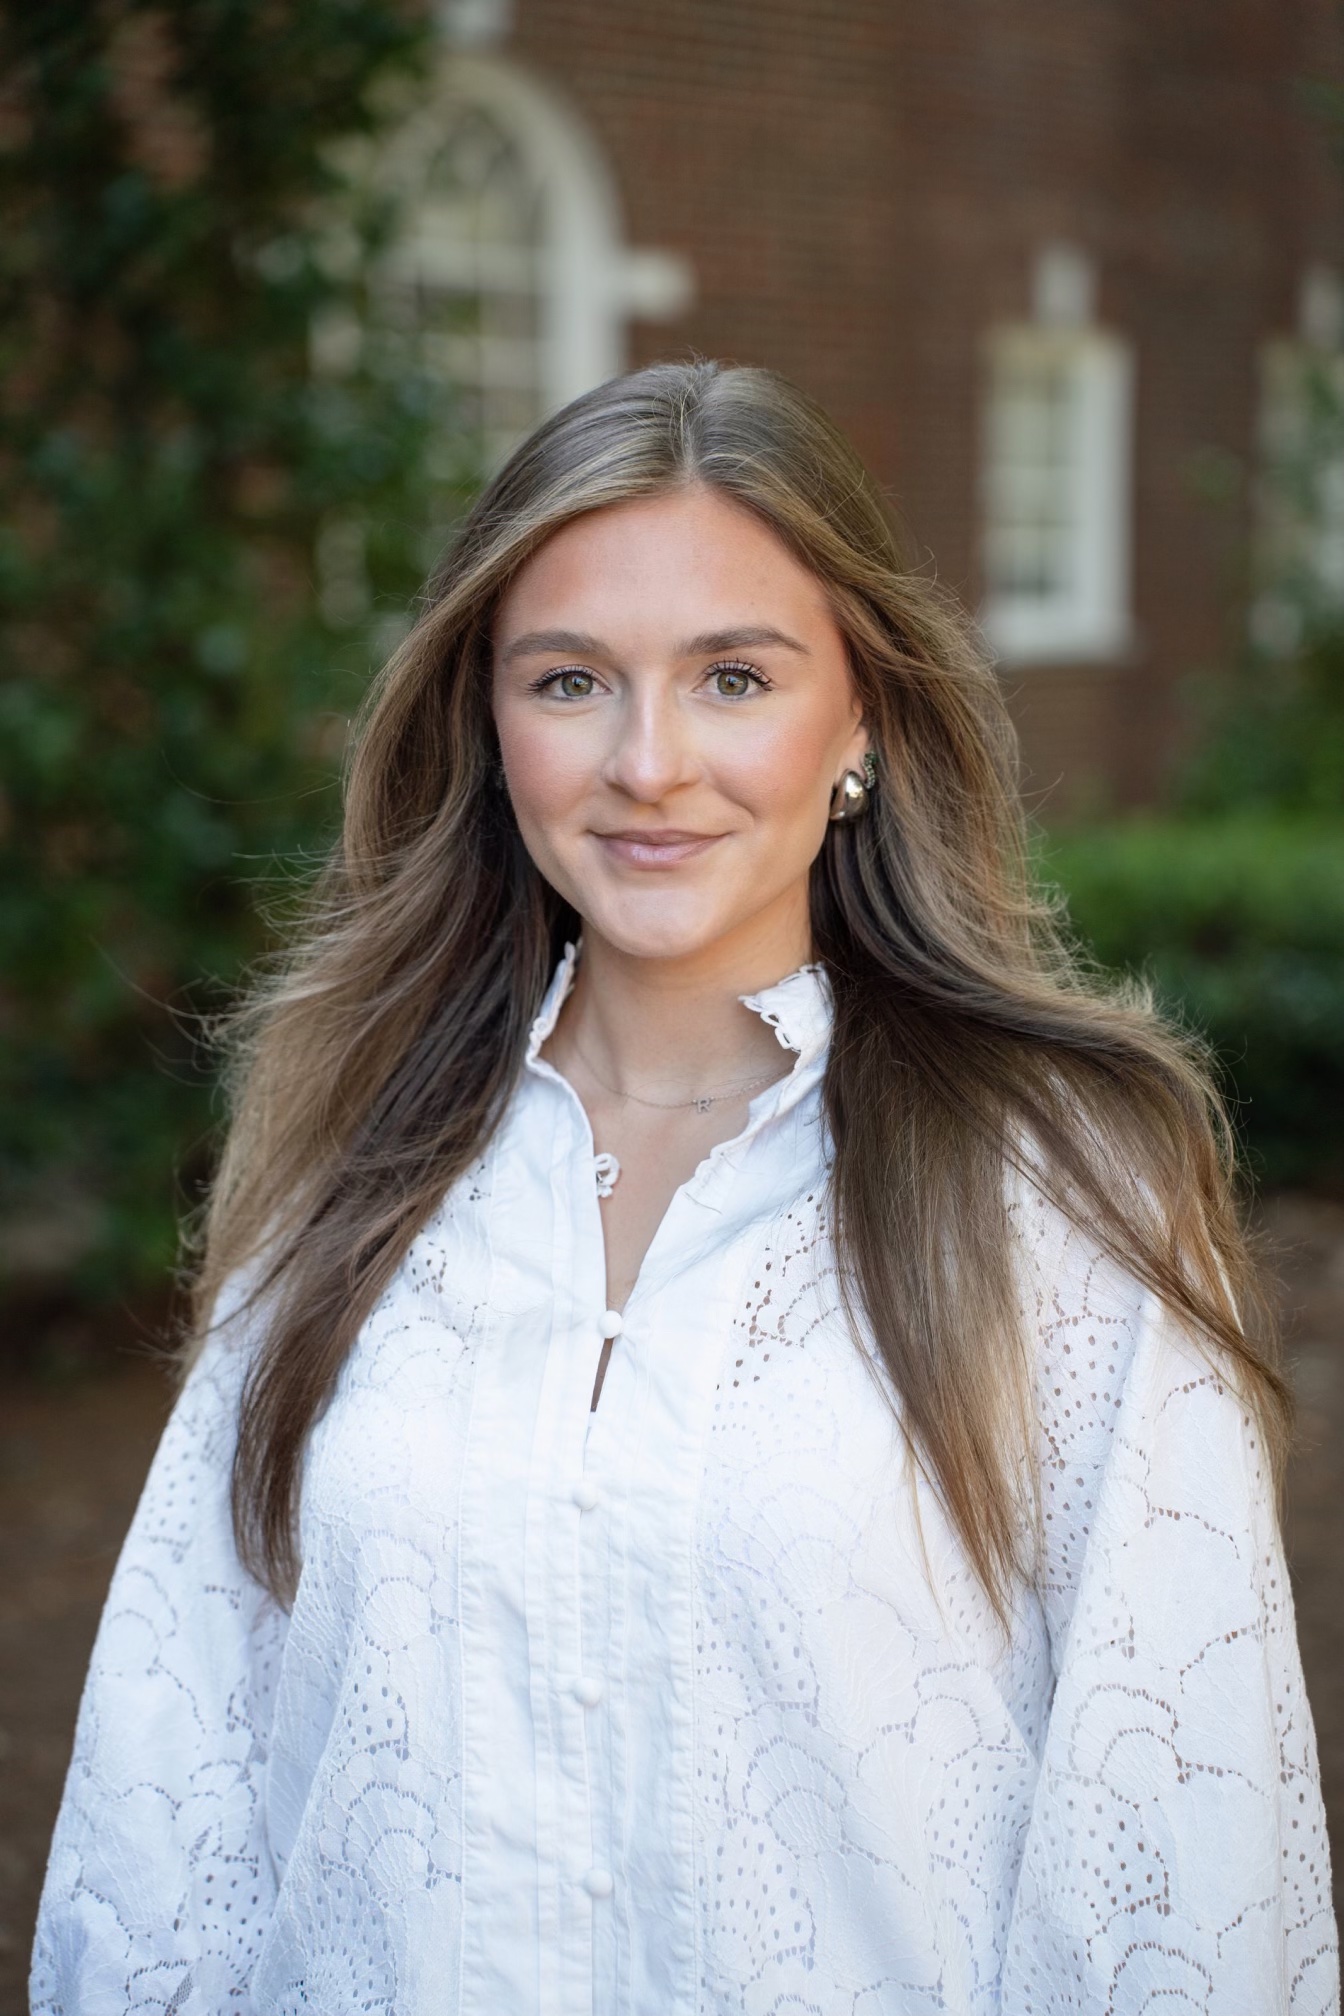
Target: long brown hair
{"x": 372, "y": 1068}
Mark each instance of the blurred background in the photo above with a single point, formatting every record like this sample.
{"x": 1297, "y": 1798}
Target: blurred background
{"x": 281, "y": 283}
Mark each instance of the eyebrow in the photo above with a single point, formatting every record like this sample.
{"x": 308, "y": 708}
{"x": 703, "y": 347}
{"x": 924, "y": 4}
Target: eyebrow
{"x": 743, "y": 637}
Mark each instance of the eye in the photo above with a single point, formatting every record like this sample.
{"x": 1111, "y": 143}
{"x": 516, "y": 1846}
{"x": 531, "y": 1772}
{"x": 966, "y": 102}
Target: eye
{"x": 571, "y": 682}
{"x": 733, "y": 681}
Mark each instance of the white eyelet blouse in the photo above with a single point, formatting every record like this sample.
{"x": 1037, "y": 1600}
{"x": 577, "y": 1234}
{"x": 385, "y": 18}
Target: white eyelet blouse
{"x": 692, "y": 1704}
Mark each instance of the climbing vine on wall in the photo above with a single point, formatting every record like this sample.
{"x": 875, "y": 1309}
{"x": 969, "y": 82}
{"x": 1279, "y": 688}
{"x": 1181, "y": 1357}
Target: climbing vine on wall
{"x": 205, "y": 536}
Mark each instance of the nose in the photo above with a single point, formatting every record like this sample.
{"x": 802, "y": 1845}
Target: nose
{"x": 653, "y": 752}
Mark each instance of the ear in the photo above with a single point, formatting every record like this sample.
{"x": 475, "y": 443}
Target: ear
{"x": 860, "y": 740}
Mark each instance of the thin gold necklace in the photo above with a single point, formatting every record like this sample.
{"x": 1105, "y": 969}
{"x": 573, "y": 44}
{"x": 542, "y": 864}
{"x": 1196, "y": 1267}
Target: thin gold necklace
{"x": 701, "y": 1102}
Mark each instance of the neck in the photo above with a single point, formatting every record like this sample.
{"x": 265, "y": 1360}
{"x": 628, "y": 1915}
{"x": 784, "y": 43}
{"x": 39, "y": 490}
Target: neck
{"x": 674, "y": 1028}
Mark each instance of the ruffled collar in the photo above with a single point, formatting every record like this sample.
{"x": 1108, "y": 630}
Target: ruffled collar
{"x": 797, "y": 1008}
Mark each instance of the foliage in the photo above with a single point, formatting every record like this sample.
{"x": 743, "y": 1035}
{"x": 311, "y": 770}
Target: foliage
{"x": 1238, "y": 922}
{"x": 1271, "y": 732}
{"x": 1275, "y": 741}
{"x": 202, "y": 536}
{"x": 1233, "y": 904}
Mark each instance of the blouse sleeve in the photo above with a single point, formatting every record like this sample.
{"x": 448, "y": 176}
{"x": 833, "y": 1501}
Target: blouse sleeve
{"x": 160, "y": 1883}
{"x": 1176, "y": 1855}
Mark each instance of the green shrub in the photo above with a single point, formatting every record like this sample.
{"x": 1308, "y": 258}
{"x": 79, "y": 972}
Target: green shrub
{"x": 177, "y": 668}
{"x": 1238, "y": 921}
{"x": 1271, "y": 737}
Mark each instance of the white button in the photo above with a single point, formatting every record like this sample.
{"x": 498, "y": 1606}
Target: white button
{"x": 586, "y": 1496}
{"x": 612, "y": 1323}
{"x": 598, "y": 1883}
{"x": 588, "y": 1690}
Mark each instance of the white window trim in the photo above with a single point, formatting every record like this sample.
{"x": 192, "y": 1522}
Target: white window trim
{"x": 593, "y": 283}
{"x": 1093, "y": 623}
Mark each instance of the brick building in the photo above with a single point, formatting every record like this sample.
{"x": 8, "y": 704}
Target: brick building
{"x": 1032, "y": 254}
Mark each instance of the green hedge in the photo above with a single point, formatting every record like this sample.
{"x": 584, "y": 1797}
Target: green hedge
{"x": 1238, "y": 920}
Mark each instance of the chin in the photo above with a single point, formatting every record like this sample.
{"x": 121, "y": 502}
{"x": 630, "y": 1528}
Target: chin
{"x": 653, "y": 936}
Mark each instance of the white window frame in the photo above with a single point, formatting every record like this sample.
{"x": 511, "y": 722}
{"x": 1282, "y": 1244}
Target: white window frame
{"x": 1089, "y": 618}
{"x": 593, "y": 283}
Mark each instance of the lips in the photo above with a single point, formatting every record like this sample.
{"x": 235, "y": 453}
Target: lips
{"x": 656, "y": 848}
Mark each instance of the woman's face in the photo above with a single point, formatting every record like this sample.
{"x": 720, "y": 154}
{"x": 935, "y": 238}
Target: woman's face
{"x": 674, "y": 706}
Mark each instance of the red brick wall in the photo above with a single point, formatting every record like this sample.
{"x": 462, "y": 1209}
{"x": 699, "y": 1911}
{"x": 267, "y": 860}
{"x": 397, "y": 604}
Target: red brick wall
{"x": 861, "y": 189}
{"x": 760, "y": 140}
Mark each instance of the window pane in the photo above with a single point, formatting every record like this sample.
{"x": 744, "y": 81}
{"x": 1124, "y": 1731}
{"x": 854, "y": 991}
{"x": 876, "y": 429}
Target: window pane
{"x": 1030, "y": 478}
{"x": 464, "y": 280}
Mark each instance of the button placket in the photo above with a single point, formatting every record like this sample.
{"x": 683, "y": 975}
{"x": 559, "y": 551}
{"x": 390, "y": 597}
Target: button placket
{"x": 582, "y": 1861}
{"x": 589, "y": 1487}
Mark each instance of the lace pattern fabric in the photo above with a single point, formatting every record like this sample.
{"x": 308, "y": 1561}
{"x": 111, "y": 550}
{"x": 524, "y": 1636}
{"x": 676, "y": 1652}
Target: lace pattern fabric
{"x": 695, "y": 1705}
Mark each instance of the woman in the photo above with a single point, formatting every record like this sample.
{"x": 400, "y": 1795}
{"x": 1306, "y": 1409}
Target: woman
{"x": 727, "y": 1468}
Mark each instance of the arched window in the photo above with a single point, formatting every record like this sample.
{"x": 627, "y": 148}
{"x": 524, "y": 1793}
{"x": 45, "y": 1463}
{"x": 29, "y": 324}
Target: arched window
{"x": 510, "y": 264}
{"x": 468, "y": 275}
